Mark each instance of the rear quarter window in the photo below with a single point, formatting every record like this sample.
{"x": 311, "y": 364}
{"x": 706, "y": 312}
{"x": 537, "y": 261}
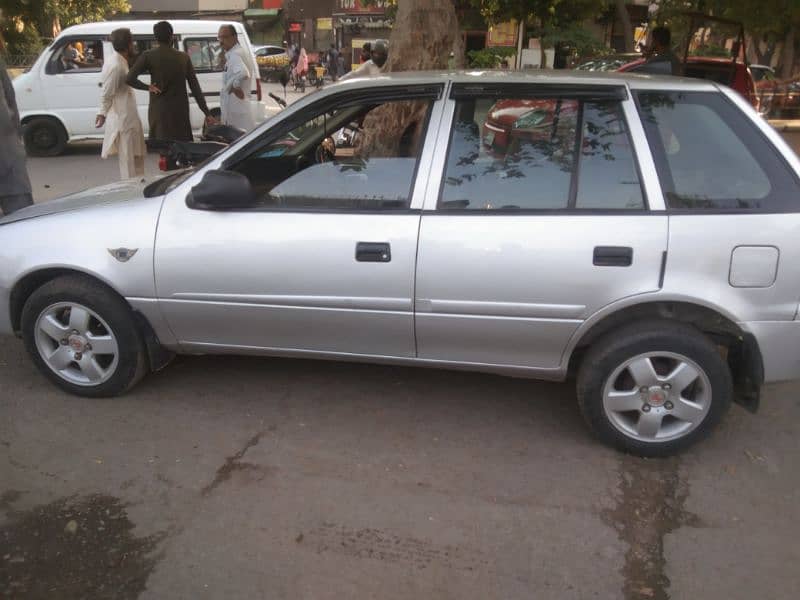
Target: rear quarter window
{"x": 710, "y": 156}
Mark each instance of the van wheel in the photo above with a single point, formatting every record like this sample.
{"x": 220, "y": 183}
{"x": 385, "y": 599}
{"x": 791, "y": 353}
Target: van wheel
{"x": 83, "y": 337}
{"x": 44, "y": 136}
{"x": 653, "y": 388}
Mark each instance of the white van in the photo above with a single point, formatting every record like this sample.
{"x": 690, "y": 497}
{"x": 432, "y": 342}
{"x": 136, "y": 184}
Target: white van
{"x": 58, "y": 104}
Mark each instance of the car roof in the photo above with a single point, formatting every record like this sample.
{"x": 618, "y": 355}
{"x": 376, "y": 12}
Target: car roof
{"x": 181, "y": 26}
{"x": 543, "y": 76}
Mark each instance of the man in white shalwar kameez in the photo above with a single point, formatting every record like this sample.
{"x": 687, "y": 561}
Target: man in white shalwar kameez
{"x": 235, "y": 95}
{"x": 123, "y": 133}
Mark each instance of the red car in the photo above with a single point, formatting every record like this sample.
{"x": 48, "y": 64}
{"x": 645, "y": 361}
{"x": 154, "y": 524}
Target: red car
{"x": 720, "y": 70}
{"x": 510, "y": 120}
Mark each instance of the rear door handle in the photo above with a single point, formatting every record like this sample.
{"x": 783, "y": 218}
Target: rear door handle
{"x": 373, "y": 252}
{"x": 613, "y": 256}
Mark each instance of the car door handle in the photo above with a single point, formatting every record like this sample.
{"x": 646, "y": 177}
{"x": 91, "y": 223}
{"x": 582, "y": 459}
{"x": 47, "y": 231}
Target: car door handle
{"x": 373, "y": 252}
{"x": 613, "y": 256}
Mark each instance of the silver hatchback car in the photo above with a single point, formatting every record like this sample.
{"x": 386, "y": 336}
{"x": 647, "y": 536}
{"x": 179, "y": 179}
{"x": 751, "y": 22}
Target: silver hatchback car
{"x": 639, "y": 232}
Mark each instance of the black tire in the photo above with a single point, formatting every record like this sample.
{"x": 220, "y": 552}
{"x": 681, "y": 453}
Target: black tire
{"x": 612, "y": 351}
{"x": 131, "y": 363}
{"x": 44, "y": 136}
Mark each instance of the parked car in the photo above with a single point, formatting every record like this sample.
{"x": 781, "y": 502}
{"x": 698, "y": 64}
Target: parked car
{"x": 648, "y": 245}
{"x": 734, "y": 74}
{"x": 272, "y": 61}
{"x": 608, "y": 63}
{"x": 58, "y": 102}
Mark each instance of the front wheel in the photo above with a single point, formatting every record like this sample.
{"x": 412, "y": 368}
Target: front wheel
{"x": 83, "y": 337}
{"x": 654, "y": 388}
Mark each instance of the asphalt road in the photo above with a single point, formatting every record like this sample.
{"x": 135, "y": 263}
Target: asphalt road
{"x": 270, "y": 478}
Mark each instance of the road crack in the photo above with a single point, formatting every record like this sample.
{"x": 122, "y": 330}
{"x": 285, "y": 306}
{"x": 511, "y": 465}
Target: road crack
{"x": 232, "y": 465}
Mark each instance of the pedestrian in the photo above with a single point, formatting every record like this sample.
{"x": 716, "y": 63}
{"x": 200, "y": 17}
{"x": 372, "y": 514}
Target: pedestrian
{"x": 366, "y": 52}
{"x": 379, "y": 53}
{"x": 234, "y": 96}
{"x": 123, "y": 133}
{"x": 301, "y": 68}
{"x": 333, "y": 62}
{"x": 661, "y": 60}
{"x": 15, "y": 186}
{"x": 170, "y": 70}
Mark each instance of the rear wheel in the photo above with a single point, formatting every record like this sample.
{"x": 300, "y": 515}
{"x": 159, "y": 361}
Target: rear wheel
{"x": 44, "y": 136}
{"x": 654, "y": 388}
{"x": 83, "y": 337}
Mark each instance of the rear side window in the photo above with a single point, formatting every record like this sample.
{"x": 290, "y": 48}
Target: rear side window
{"x": 540, "y": 154}
{"x": 711, "y": 156}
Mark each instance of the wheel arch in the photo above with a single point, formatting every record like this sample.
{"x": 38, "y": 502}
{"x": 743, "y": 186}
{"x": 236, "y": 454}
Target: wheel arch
{"x": 25, "y": 286}
{"x": 739, "y": 347}
{"x": 45, "y": 115}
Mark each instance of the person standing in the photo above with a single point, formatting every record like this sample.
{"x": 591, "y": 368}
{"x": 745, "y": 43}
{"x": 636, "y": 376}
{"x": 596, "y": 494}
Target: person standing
{"x": 661, "y": 60}
{"x": 333, "y": 62}
{"x": 170, "y": 70}
{"x": 234, "y": 97}
{"x": 123, "y": 133}
{"x": 374, "y": 66}
{"x": 15, "y": 186}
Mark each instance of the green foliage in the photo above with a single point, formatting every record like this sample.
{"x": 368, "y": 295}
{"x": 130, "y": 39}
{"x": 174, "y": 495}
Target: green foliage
{"x": 47, "y": 15}
{"x": 575, "y": 40}
{"x": 26, "y": 42}
{"x": 488, "y": 58}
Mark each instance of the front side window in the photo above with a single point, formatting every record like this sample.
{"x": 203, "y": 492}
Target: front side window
{"x": 206, "y": 54}
{"x": 77, "y": 55}
{"x": 709, "y": 156}
{"x": 355, "y": 157}
{"x": 540, "y": 154}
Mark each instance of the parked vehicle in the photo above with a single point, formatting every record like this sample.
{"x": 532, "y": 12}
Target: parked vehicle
{"x": 58, "y": 102}
{"x": 648, "y": 245}
{"x": 272, "y": 61}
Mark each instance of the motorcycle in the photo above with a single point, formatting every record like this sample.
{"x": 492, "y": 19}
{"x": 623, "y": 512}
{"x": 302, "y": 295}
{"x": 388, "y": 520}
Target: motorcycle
{"x": 181, "y": 155}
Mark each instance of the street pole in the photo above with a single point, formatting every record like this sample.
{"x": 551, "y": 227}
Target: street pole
{"x": 520, "y": 37}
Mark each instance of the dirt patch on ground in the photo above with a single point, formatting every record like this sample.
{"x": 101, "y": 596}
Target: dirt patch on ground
{"x": 76, "y": 547}
{"x": 650, "y": 505}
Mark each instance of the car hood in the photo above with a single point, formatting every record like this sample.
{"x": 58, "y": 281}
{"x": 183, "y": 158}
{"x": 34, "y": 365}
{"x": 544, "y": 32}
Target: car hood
{"x": 113, "y": 193}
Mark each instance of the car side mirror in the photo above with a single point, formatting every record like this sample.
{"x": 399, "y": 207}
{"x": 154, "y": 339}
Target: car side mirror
{"x": 221, "y": 190}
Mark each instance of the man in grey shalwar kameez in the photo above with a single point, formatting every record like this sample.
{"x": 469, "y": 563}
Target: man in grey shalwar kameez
{"x": 15, "y": 187}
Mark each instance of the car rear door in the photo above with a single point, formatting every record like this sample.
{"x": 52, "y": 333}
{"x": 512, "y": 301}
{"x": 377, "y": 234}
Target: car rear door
{"x": 540, "y": 218}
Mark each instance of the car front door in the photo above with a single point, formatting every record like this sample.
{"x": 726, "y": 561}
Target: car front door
{"x": 324, "y": 261}
{"x": 73, "y": 84}
{"x": 541, "y": 219}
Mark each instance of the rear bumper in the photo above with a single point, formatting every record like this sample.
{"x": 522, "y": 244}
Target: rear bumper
{"x": 779, "y": 343}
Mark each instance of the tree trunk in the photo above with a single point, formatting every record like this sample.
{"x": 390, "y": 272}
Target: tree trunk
{"x": 627, "y": 28}
{"x": 787, "y": 55}
{"x": 424, "y": 34}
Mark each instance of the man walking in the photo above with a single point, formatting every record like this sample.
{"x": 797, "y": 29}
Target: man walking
{"x": 15, "y": 187}
{"x": 123, "y": 134}
{"x": 234, "y": 97}
{"x": 170, "y": 70}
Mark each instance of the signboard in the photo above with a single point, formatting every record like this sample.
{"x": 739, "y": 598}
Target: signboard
{"x": 295, "y": 27}
{"x": 325, "y": 24}
{"x": 275, "y": 4}
{"x": 356, "y": 7}
{"x": 503, "y": 34}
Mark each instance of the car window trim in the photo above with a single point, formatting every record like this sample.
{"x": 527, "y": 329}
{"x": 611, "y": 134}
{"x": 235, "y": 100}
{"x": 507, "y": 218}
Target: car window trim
{"x": 513, "y": 91}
